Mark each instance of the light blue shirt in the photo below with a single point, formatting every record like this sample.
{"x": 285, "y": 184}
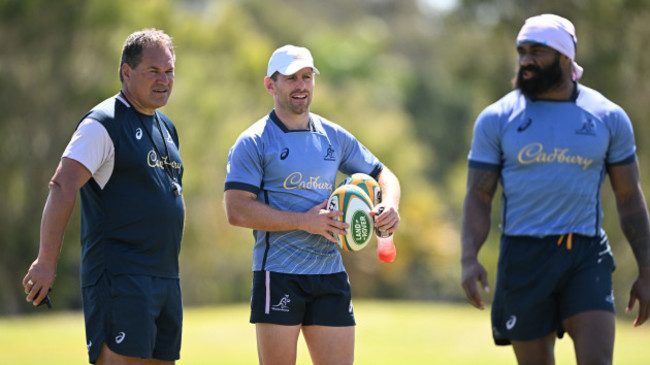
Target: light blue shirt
{"x": 295, "y": 171}
{"x": 552, "y": 157}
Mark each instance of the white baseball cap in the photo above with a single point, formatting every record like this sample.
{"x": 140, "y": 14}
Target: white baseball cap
{"x": 289, "y": 59}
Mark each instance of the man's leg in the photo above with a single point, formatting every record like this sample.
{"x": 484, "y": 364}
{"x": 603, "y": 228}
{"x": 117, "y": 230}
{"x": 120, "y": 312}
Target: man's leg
{"x": 108, "y": 357}
{"x": 535, "y": 352}
{"x": 593, "y": 336}
{"x": 330, "y": 345}
{"x": 277, "y": 344}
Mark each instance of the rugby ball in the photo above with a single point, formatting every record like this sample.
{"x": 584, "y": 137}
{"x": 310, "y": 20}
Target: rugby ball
{"x": 367, "y": 184}
{"x": 356, "y": 207}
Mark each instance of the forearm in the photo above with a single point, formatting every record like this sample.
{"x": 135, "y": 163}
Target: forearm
{"x": 390, "y": 187}
{"x": 257, "y": 215}
{"x": 476, "y": 225}
{"x": 56, "y": 214}
{"x": 481, "y": 186}
{"x": 244, "y": 210}
{"x": 633, "y": 215}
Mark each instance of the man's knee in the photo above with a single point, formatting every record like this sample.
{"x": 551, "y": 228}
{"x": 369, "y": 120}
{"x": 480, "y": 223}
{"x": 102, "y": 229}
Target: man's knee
{"x": 536, "y": 352}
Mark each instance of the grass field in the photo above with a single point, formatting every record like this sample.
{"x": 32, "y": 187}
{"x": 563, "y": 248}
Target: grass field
{"x": 401, "y": 333}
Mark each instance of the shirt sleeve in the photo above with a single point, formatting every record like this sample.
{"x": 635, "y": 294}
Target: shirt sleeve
{"x": 92, "y": 146}
{"x": 622, "y": 147}
{"x": 244, "y": 169}
{"x": 486, "y": 141}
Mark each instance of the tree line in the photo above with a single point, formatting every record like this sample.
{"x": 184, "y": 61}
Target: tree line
{"x": 404, "y": 76}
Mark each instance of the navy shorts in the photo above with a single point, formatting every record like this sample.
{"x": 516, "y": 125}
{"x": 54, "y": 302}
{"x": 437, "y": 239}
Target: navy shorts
{"x": 287, "y": 299}
{"x": 136, "y": 315}
{"x": 542, "y": 281}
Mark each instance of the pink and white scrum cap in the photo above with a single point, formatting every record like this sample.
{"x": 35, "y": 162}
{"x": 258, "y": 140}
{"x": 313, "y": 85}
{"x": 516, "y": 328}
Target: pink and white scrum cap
{"x": 555, "y": 32}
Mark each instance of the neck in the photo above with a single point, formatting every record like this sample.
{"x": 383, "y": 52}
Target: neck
{"x": 563, "y": 91}
{"x": 135, "y": 105}
{"x": 293, "y": 121}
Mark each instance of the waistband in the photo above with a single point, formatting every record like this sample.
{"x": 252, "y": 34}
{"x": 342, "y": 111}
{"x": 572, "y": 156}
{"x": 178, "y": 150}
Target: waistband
{"x": 559, "y": 239}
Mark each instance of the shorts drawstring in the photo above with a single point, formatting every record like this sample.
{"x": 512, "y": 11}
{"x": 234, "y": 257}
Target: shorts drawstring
{"x": 569, "y": 240}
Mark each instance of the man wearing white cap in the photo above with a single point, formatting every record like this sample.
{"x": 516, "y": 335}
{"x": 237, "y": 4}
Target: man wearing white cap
{"x": 551, "y": 142}
{"x": 280, "y": 173}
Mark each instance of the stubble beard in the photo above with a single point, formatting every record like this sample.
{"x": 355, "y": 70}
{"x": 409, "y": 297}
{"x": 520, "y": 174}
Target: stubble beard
{"x": 298, "y": 108}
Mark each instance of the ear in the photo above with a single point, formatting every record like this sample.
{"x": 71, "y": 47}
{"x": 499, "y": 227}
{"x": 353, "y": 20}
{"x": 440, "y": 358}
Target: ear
{"x": 269, "y": 84}
{"x": 125, "y": 71}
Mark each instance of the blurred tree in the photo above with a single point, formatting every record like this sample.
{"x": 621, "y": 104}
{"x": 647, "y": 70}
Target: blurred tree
{"x": 407, "y": 77}
{"x": 55, "y": 76}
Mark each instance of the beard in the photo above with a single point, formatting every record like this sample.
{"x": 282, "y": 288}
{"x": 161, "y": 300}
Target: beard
{"x": 545, "y": 79}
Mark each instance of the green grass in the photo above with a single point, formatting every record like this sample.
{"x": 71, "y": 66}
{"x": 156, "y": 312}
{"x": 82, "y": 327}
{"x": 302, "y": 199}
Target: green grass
{"x": 387, "y": 333}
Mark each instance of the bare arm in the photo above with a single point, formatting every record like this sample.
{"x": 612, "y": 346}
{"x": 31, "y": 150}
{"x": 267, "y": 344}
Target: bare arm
{"x": 481, "y": 185}
{"x": 633, "y": 217}
{"x": 243, "y": 209}
{"x": 388, "y": 220}
{"x": 69, "y": 177}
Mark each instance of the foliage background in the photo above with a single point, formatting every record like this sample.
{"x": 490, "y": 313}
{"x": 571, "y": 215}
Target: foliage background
{"x": 407, "y": 77}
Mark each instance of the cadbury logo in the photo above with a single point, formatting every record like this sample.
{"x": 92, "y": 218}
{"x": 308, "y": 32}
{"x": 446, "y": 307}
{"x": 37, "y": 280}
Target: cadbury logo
{"x": 534, "y": 153}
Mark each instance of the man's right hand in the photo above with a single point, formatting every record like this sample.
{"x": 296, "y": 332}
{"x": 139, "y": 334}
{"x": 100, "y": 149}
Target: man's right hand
{"x": 473, "y": 273}
{"x": 320, "y": 220}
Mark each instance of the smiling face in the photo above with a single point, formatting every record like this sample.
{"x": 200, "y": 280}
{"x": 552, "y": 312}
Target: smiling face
{"x": 149, "y": 85}
{"x": 292, "y": 93}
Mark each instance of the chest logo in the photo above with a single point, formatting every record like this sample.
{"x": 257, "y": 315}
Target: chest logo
{"x": 329, "y": 156}
{"x": 154, "y": 161}
{"x": 284, "y": 154}
{"x": 588, "y": 128}
{"x": 535, "y": 153}
{"x": 524, "y": 125}
{"x": 297, "y": 181}
{"x": 138, "y": 134}
{"x": 169, "y": 138}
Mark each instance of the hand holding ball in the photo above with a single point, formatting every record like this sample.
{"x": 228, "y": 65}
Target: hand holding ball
{"x": 356, "y": 196}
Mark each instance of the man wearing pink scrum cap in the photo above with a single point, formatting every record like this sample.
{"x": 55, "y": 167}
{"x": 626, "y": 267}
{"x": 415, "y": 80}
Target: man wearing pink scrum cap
{"x": 551, "y": 142}
{"x": 555, "y": 32}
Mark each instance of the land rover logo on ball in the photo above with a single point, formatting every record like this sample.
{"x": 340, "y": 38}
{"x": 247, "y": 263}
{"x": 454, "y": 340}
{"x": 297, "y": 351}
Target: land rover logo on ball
{"x": 360, "y": 227}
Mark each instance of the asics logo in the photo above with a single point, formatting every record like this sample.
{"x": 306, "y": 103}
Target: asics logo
{"x": 138, "y": 134}
{"x": 120, "y": 337}
{"x": 525, "y": 125}
{"x": 284, "y": 154}
{"x": 510, "y": 324}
